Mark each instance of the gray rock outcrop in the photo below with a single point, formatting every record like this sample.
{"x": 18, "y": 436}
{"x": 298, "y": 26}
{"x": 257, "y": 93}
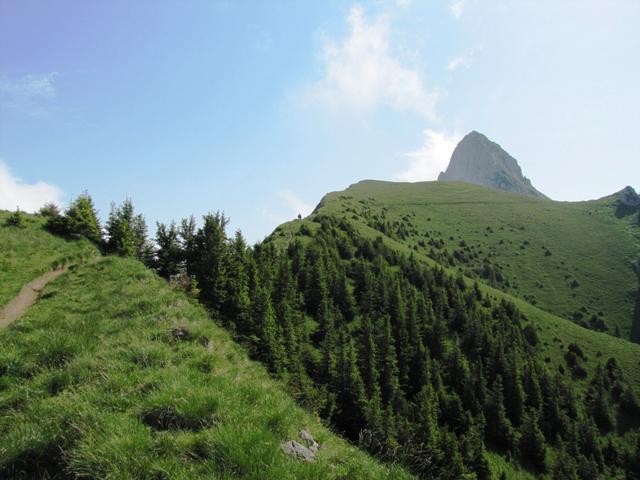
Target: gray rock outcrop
{"x": 478, "y": 160}
{"x": 297, "y": 450}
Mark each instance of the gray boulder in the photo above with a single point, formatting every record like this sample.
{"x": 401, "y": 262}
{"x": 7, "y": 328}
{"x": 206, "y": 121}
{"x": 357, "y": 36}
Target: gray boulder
{"x": 310, "y": 441}
{"x": 298, "y": 451}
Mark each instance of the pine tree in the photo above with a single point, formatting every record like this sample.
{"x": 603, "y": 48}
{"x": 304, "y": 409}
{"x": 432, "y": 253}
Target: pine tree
{"x": 350, "y": 415}
{"x": 532, "y": 441}
{"x": 499, "y": 428}
{"x": 513, "y": 391}
{"x": 187, "y": 238}
{"x": 270, "y": 343}
{"x": 127, "y": 233}
{"x": 210, "y": 271}
{"x": 426, "y": 416}
{"x": 81, "y": 218}
{"x": 168, "y": 254}
{"x": 236, "y": 307}
{"x": 368, "y": 357}
{"x": 388, "y": 367}
{"x": 564, "y": 467}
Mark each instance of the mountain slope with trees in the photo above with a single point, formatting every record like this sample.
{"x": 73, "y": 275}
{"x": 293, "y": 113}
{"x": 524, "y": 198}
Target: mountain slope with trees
{"x": 408, "y": 358}
{"x": 116, "y": 374}
{"x": 415, "y": 364}
{"x": 572, "y": 259}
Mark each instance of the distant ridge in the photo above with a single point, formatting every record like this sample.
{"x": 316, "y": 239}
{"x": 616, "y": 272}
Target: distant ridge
{"x": 476, "y": 159}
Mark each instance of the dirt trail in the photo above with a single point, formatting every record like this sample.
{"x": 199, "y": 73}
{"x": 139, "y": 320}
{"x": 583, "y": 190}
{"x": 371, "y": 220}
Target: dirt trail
{"x": 27, "y": 297}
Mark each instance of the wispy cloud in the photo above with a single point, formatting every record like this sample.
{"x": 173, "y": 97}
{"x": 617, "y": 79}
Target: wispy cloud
{"x": 295, "y": 204}
{"x": 457, "y": 8}
{"x": 457, "y": 62}
{"x": 14, "y": 192}
{"x": 430, "y": 159}
{"x": 463, "y": 61}
{"x": 29, "y": 86}
{"x": 361, "y": 71}
{"x": 28, "y": 93}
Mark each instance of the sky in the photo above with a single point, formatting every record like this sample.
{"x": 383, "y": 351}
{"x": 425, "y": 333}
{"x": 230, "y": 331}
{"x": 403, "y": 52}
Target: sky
{"x": 259, "y": 108}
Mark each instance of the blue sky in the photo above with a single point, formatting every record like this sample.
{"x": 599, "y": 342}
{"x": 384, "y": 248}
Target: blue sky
{"x": 260, "y": 108}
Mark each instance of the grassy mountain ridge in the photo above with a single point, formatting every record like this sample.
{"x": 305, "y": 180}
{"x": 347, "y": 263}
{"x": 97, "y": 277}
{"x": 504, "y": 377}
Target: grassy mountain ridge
{"x": 114, "y": 374}
{"x": 556, "y": 332}
{"x": 30, "y": 251}
{"x": 573, "y": 259}
{"x": 406, "y": 357}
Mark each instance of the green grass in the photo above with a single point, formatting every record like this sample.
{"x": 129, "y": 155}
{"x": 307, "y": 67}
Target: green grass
{"x": 586, "y": 241}
{"x": 95, "y": 382}
{"x": 555, "y": 332}
{"x": 27, "y": 252}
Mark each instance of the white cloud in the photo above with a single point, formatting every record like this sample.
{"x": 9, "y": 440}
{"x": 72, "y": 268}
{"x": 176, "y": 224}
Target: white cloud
{"x": 458, "y": 62}
{"x": 361, "y": 71}
{"x": 30, "y": 94}
{"x": 464, "y": 60}
{"x": 296, "y": 205}
{"x": 457, "y": 7}
{"x": 431, "y": 159}
{"x": 30, "y": 86}
{"x": 29, "y": 197}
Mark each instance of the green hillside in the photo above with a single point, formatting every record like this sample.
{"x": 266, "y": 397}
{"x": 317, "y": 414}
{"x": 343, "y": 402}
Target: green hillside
{"x": 29, "y": 250}
{"x": 574, "y": 260}
{"x": 451, "y": 206}
{"x": 113, "y": 374}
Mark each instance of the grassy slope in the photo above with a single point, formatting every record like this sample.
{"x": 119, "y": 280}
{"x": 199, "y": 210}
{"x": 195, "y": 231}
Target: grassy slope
{"x": 93, "y": 381}
{"x": 587, "y": 241}
{"x": 555, "y": 332}
{"x": 28, "y": 252}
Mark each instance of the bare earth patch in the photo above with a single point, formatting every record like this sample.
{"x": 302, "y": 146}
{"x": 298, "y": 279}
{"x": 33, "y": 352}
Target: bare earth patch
{"x": 27, "y": 297}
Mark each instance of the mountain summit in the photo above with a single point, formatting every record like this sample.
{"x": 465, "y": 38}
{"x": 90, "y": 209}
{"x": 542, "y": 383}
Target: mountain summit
{"x": 476, "y": 159}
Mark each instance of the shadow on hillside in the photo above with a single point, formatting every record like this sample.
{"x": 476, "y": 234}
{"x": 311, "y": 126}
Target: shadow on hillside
{"x": 623, "y": 210}
{"x": 43, "y": 461}
{"x": 635, "y": 321}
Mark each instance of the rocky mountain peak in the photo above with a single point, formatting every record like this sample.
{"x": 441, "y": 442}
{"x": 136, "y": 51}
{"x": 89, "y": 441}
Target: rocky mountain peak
{"x": 478, "y": 160}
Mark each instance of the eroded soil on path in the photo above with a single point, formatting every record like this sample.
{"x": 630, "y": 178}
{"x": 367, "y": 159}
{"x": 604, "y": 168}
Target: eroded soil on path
{"x": 27, "y": 297}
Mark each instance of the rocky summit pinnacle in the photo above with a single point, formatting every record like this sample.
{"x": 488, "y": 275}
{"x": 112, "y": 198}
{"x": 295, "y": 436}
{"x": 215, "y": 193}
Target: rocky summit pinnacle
{"x": 476, "y": 159}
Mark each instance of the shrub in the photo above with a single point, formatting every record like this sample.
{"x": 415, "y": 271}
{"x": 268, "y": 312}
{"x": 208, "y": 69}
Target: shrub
{"x": 49, "y": 210}
{"x": 16, "y": 219}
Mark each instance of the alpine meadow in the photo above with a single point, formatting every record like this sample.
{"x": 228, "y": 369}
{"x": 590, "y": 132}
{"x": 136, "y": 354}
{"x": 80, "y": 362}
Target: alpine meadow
{"x": 452, "y": 320}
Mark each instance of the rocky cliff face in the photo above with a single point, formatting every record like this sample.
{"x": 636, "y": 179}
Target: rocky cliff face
{"x": 478, "y": 160}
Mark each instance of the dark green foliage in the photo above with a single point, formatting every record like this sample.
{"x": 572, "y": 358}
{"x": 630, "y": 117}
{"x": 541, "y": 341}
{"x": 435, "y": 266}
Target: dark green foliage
{"x": 80, "y": 219}
{"x": 49, "y": 210}
{"x": 15, "y": 219}
{"x": 532, "y": 442}
{"x": 412, "y": 363}
{"x": 168, "y": 253}
{"x": 127, "y": 233}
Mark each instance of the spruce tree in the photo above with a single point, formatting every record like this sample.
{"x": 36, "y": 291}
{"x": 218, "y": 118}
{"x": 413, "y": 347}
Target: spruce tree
{"x": 210, "y": 271}
{"x": 351, "y": 402}
{"x": 270, "y": 343}
{"x": 532, "y": 442}
{"x": 168, "y": 253}
{"x": 81, "y": 218}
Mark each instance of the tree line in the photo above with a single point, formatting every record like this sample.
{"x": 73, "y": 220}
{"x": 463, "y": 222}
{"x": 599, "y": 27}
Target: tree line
{"x": 410, "y": 362}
